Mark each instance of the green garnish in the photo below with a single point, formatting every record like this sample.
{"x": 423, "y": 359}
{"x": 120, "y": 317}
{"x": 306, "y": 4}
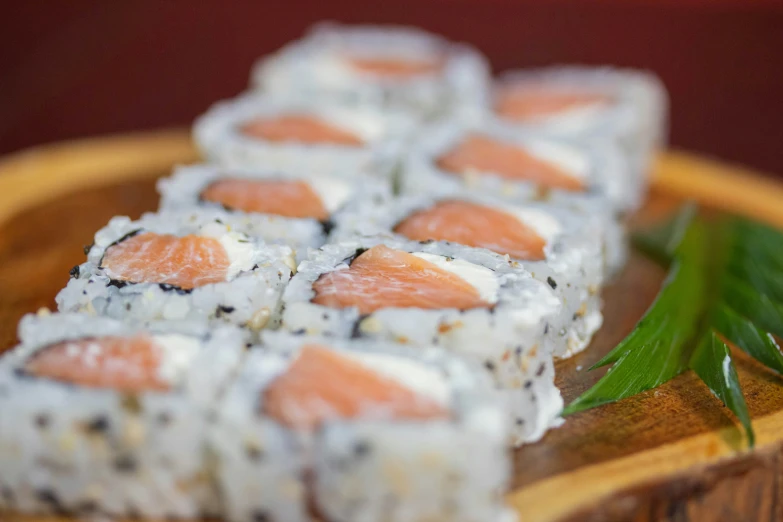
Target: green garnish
{"x": 725, "y": 284}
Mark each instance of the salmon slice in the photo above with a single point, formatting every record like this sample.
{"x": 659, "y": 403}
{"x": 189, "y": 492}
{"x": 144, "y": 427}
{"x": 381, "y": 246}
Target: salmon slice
{"x": 481, "y": 154}
{"x": 396, "y": 67}
{"x": 121, "y": 363}
{"x": 288, "y": 198}
{"x": 531, "y": 103}
{"x": 474, "y": 225}
{"x": 185, "y": 262}
{"x": 299, "y": 128}
{"x": 384, "y": 278}
{"x": 321, "y": 385}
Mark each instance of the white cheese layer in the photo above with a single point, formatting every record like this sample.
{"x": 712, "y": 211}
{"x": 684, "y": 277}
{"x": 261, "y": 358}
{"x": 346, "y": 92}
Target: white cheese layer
{"x": 569, "y": 159}
{"x": 417, "y": 377}
{"x": 177, "y": 353}
{"x": 479, "y": 277}
{"x": 332, "y": 192}
{"x": 367, "y": 126}
{"x": 545, "y": 225}
{"x": 575, "y": 119}
{"x": 240, "y": 250}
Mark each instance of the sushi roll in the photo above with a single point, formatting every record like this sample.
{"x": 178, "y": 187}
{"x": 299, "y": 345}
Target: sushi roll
{"x": 482, "y": 155}
{"x": 100, "y": 417}
{"x": 385, "y": 66}
{"x": 300, "y": 136}
{"x": 556, "y": 245}
{"x": 469, "y": 301}
{"x": 574, "y": 101}
{"x": 198, "y": 265}
{"x": 288, "y": 208}
{"x": 385, "y": 434}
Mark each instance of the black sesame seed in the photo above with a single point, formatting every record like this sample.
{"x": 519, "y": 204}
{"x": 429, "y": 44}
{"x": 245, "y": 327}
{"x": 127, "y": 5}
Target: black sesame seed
{"x": 489, "y": 365}
{"x": 546, "y": 328}
{"x": 518, "y": 350}
{"x": 575, "y": 317}
{"x": 74, "y": 273}
{"x": 42, "y": 421}
{"x": 260, "y": 516}
{"x": 361, "y": 448}
{"x": 47, "y": 496}
{"x": 7, "y": 494}
{"x": 127, "y": 306}
{"x": 87, "y": 507}
{"x": 125, "y": 464}
{"x": 98, "y": 425}
{"x": 520, "y": 422}
{"x": 221, "y": 310}
{"x": 540, "y": 370}
{"x": 528, "y": 384}
{"x": 551, "y": 282}
{"x": 164, "y": 418}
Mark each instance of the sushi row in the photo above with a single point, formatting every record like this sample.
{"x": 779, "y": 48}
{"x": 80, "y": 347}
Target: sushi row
{"x": 353, "y": 309}
{"x": 172, "y": 419}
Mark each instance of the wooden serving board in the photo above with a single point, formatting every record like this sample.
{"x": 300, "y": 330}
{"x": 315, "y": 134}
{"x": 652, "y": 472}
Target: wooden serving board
{"x": 671, "y": 454}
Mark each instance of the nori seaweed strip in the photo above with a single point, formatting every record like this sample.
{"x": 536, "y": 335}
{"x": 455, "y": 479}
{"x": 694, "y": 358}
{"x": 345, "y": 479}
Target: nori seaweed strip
{"x": 350, "y": 259}
{"x": 327, "y": 225}
{"x": 120, "y": 240}
{"x": 174, "y": 288}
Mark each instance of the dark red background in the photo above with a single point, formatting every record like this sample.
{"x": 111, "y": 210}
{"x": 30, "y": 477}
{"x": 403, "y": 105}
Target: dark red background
{"x": 85, "y": 67}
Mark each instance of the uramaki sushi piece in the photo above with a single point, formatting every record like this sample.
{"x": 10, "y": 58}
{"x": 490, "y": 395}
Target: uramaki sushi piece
{"x": 397, "y": 68}
{"x": 485, "y": 154}
{"x": 289, "y": 208}
{"x": 204, "y": 265}
{"x": 578, "y": 102}
{"x": 469, "y": 301}
{"x": 356, "y": 408}
{"x": 303, "y": 136}
{"x": 102, "y": 417}
{"x": 567, "y": 249}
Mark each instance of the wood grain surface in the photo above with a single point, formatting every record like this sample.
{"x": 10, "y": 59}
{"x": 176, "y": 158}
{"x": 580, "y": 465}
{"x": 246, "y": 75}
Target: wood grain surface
{"x": 672, "y": 454}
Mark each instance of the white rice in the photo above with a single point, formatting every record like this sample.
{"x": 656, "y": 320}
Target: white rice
{"x": 316, "y": 68}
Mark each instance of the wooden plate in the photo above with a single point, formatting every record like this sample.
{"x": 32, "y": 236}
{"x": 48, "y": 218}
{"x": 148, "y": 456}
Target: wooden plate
{"x": 669, "y": 454}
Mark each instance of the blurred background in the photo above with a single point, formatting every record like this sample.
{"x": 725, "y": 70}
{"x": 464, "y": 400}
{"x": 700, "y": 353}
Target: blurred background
{"x": 89, "y": 67}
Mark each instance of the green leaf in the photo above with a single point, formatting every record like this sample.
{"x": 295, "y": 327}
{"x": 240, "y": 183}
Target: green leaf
{"x": 661, "y": 242}
{"x": 712, "y": 363}
{"x": 725, "y": 285}
{"x": 748, "y": 337}
{"x": 657, "y": 350}
{"x": 765, "y": 313}
{"x": 759, "y": 276}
